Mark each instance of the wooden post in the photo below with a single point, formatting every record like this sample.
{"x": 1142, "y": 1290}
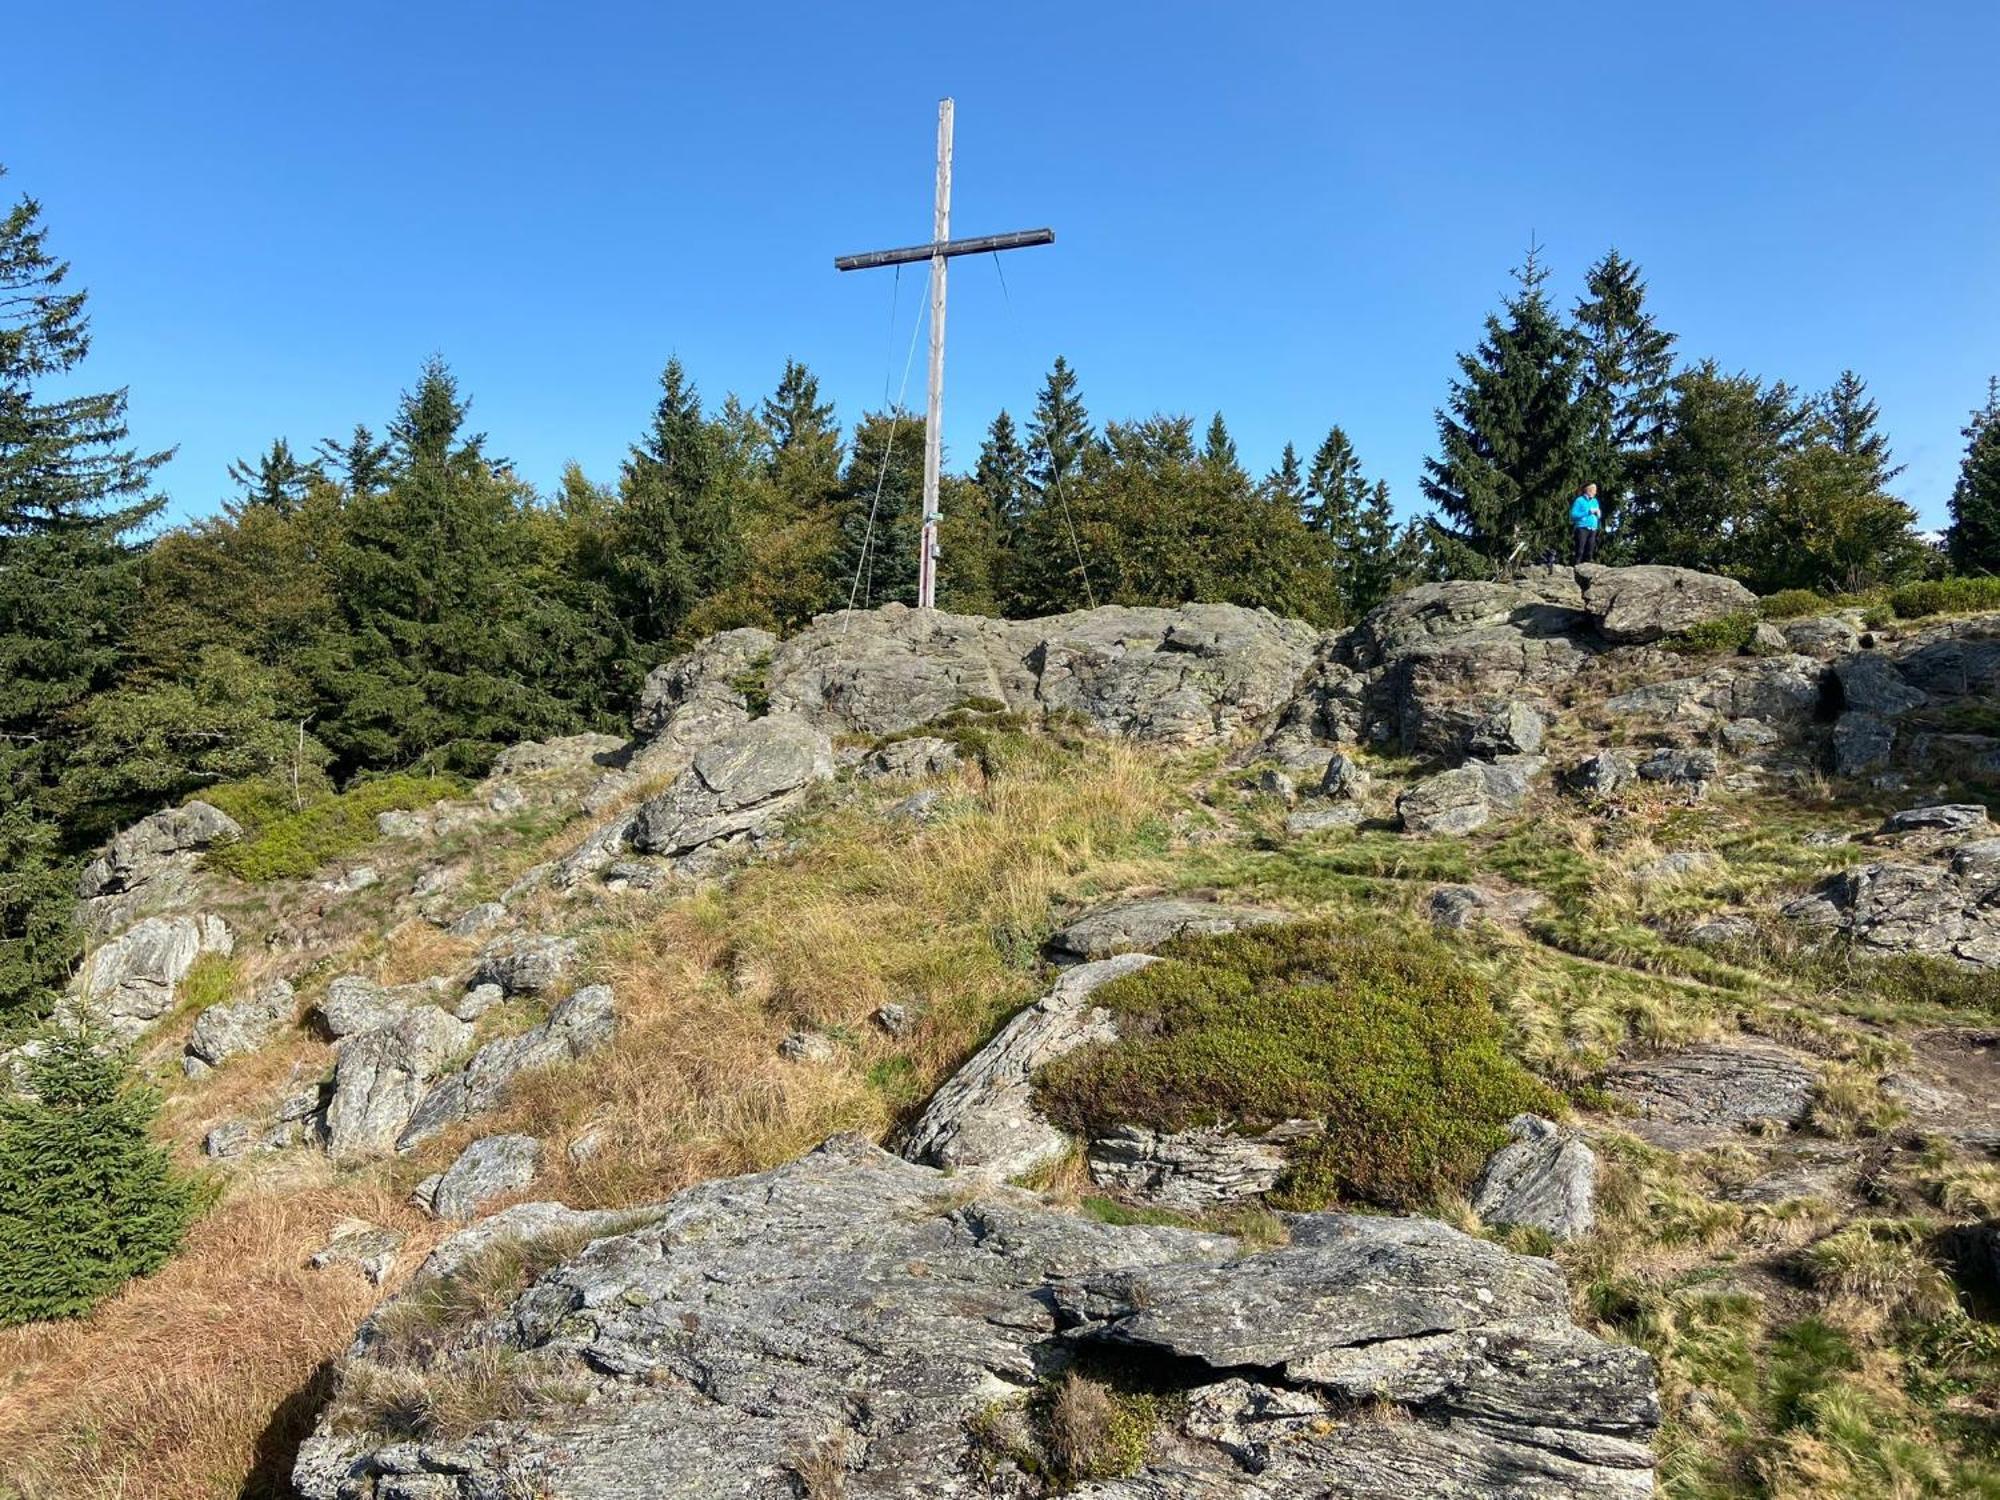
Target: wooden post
{"x": 927, "y": 561}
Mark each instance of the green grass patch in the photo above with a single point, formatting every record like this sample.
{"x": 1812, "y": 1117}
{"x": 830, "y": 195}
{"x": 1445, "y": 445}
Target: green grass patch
{"x": 1390, "y": 1037}
{"x": 289, "y": 845}
{"x": 1944, "y": 596}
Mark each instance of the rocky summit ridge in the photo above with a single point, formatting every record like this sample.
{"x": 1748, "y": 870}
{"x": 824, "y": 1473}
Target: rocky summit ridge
{"x": 895, "y": 1319}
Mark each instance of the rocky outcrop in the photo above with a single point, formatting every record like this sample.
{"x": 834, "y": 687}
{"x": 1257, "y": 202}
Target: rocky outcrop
{"x": 371, "y": 1250}
{"x": 236, "y": 1026}
{"x": 856, "y": 1306}
{"x": 984, "y": 1119}
{"x": 1141, "y": 926}
{"x": 1468, "y": 797}
{"x": 920, "y": 755}
{"x": 131, "y": 981}
{"x": 736, "y": 792}
{"x": 1545, "y": 1177}
{"x": 381, "y": 1077}
{"x": 1706, "y": 1094}
{"x": 525, "y": 966}
{"x": 150, "y": 866}
{"x": 1192, "y": 1170}
{"x": 577, "y": 1027}
{"x": 355, "y": 1004}
{"x": 489, "y": 1168}
{"x": 1634, "y": 606}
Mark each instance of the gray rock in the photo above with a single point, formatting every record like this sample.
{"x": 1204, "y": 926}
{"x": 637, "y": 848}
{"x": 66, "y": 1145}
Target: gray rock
{"x": 738, "y": 787}
{"x": 1275, "y": 783}
{"x": 562, "y": 756}
{"x": 1601, "y": 774}
{"x": 149, "y": 847}
{"x": 1745, "y": 735}
{"x": 360, "y": 878}
{"x": 383, "y": 1075}
{"x": 130, "y": 982}
{"x": 487, "y": 1169}
{"x": 1509, "y": 779}
{"x": 984, "y": 1119}
{"x": 229, "y": 1139}
{"x": 577, "y": 1027}
{"x": 909, "y": 759}
{"x": 808, "y": 1047}
{"x": 1721, "y": 932}
{"x": 1192, "y": 1170}
{"x": 1142, "y": 925}
{"x": 1955, "y": 818}
{"x": 918, "y": 807}
{"x": 370, "y": 1250}
{"x": 736, "y": 1328}
{"x": 1305, "y": 821}
{"x": 1681, "y": 864}
{"x": 1706, "y": 1093}
{"x": 1694, "y": 768}
{"x": 402, "y": 823}
{"x": 1344, "y": 780}
{"x": 241, "y": 1025}
{"x": 1870, "y": 683}
{"x": 477, "y": 919}
{"x": 526, "y": 966}
{"x": 1511, "y": 729}
{"x": 1767, "y": 640}
{"x": 895, "y": 1019}
{"x": 1449, "y": 803}
{"x": 711, "y": 683}
{"x": 478, "y": 1000}
{"x": 1862, "y": 744}
{"x": 355, "y": 1004}
{"x": 1545, "y": 1178}
{"x": 1633, "y": 606}
{"x": 1784, "y": 691}
{"x": 1820, "y": 635}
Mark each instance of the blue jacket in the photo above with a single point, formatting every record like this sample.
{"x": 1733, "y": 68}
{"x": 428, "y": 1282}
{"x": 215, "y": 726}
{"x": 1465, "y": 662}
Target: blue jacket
{"x": 1584, "y": 511}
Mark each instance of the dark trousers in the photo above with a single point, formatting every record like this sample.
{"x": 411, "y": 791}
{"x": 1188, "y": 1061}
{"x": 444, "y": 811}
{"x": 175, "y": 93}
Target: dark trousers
{"x": 1586, "y": 544}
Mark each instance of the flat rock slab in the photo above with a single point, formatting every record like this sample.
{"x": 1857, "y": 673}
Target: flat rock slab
{"x": 1708, "y": 1093}
{"x": 1141, "y": 926}
{"x": 984, "y": 1119}
{"x": 1633, "y": 606}
{"x": 855, "y": 1303}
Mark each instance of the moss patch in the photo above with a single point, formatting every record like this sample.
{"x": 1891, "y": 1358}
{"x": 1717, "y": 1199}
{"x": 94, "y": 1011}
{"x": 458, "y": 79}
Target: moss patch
{"x": 1390, "y": 1037}
{"x": 290, "y": 845}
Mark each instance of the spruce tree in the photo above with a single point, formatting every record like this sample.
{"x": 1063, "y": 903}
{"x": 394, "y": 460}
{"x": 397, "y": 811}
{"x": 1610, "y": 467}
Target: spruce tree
{"x": 1002, "y": 474}
{"x": 1375, "y": 570}
{"x": 361, "y": 462}
{"x": 88, "y": 1200}
{"x": 275, "y": 479}
{"x": 1059, "y": 433}
{"x": 1218, "y": 453}
{"x": 73, "y": 493}
{"x": 1334, "y": 487}
{"x": 882, "y": 505}
{"x": 1286, "y": 485}
{"x": 1973, "y": 539}
{"x": 1625, "y": 379}
{"x": 1513, "y": 441}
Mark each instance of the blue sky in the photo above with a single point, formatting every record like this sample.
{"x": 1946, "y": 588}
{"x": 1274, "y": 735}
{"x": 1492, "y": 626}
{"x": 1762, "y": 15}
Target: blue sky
{"x": 1295, "y": 213}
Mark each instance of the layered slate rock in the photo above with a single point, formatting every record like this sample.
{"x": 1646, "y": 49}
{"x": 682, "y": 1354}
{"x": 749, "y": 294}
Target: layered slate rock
{"x": 577, "y": 1027}
{"x": 235, "y": 1026}
{"x": 1545, "y": 1177}
{"x": 737, "y": 789}
{"x": 1142, "y": 925}
{"x": 1634, "y": 606}
{"x": 150, "y": 866}
{"x": 381, "y": 1077}
{"x": 1192, "y": 1170}
{"x": 1468, "y": 797}
{"x": 525, "y": 966}
{"x": 1707, "y": 1093}
{"x": 487, "y": 1169}
{"x": 355, "y": 1004}
{"x": 130, "y": 982}
{"x": 853, "y": 1304}
{"x": 984, "y": 1119}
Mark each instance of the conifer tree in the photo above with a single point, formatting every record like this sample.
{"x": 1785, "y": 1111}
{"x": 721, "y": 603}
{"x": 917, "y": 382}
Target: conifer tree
{"x": 88, "y": 1200}
{"x": 1002, "y": 474}
{"x": 1973, "y": 539}
{"x": 1625, "y": 384}
{"x": 882, "y": 504}
{"x": 73, "y": 492}
{"x": 1374, "y": 570}
{"x": 1218, "y": 453}
{"x": 275, "y": 479}
{"x": 1334, "y": 487}
{"x": 1059, "y": 433}
{"x": 1285, "y": 485}
{"x": 1513, "y": 441}
{"x": 361, "y": 462}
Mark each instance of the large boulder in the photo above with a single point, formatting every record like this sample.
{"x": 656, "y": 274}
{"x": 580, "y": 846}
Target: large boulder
{"x": 130, "y": 982}
{"x": 355, "y": 1004}
{"x": 1545, "y": 1177}
{"x": 737, "y": 789}
{"x": 852, "y": 1324}
{"x": 243, "y": 1025}
{"x": 1142, "y": 925}
{"x": 489, "y": 1168}
{"x": 149, "y": 847}
{"x": 984, "y": 1119}
{"x": 1468, "y": 797}
{"x": 383, "y": 1075}
{"x": 1633, "y": 606}
{"x": 577, "y": 1027}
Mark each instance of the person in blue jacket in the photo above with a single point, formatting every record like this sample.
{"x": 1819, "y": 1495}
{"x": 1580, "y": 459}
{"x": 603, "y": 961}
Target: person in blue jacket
{"x": 1586, "y": 515}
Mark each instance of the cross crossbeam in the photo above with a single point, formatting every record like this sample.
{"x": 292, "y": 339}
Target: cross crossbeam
{"x": 942, "y": 248}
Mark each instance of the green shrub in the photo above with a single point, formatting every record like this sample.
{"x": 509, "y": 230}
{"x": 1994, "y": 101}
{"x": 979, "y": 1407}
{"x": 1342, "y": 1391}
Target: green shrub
{"x": 1945, "y": 596}
{"x": 1389, "y": 1037}
{"x": 1728, "y": 636}
{"x": 1793, "y": 604}
{"x": 88, "y": 1200}
{"x": 293, "y": 844}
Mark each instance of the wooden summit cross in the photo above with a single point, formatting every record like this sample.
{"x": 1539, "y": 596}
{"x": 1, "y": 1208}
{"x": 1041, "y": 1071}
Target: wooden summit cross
{"x": 937, "y": 252}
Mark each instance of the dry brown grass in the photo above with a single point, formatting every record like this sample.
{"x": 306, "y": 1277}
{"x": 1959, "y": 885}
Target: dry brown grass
{"x": 198, "y": 1380}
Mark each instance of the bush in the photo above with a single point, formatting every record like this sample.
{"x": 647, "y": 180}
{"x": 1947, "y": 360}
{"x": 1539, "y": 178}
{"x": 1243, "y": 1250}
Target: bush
{"x": 1945, "y": 596}
{"x": 87, "y": 1199}
{"x": 1793, "y": 604}
{"x": 1728, "y": 636}
{"x": 291, "y": 845}
{"x": 1390, "y": 1038}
